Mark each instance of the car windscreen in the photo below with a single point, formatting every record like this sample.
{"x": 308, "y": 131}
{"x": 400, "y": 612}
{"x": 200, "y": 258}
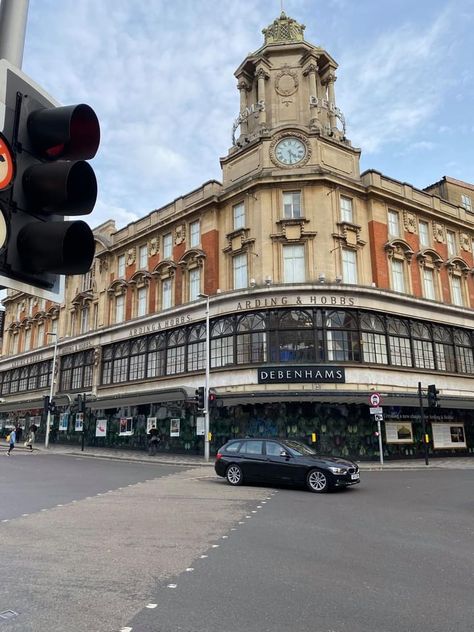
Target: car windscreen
{"x": 295, "y": 448}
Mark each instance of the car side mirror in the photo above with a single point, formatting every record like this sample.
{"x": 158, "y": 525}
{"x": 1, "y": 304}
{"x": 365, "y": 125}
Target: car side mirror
{"x": 284, "y": 453}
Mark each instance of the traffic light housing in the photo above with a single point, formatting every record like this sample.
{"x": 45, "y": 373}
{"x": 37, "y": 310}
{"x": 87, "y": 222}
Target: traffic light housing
{"x": 212, "y": 399}
{"x": 46, "y": 178}
{"x": 433, "y": 392}
{"x": 200, "y": 396}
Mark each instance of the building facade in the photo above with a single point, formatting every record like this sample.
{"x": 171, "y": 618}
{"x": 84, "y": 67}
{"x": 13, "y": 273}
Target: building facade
{"x": 324, "y": 285}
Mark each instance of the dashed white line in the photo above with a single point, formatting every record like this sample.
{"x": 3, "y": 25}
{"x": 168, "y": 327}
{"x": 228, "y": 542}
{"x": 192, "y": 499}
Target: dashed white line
{"x": 224, "y": 537}
{"x": 152, "y": 605}
{"x": 188, "y": 570}
{"x": 215, "y": 546}
{"x": 126, "y": 629}
{"x": 24, "y": 515}
{"x": 5, "y": 520}
{"x": 172, "y": 585}
{"x": 202, "y": 556}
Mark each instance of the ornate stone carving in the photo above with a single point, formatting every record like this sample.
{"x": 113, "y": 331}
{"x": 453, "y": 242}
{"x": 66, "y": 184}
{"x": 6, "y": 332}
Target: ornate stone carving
{"x": 438, "y": 232}
{"x": 180, "y": 234}
{"x": 465, "y": 242}
{"x": 131, "y": 256}
{"x": 153, "y": 247}
{"x": 409, "y": 221}
{"x": 286, "y": 82}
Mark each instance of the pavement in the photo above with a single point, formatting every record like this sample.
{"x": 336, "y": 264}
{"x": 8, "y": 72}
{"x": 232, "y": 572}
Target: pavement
{"x": 190, "y": 460}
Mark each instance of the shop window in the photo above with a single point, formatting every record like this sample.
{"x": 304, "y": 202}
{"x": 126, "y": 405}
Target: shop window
{"x": 463, "y": 348}
{"x": 342, "y": 339}
{"x": 176, "y": 352}
{"x": 422, "y": 346}
{"x": 156, "y": 361}
{"x": 399, "y": 342}
{"x": 374, "y": 341}
{"x": 251, "y": 339}
{"x": 33, "y": 377}
{"x": 137, "y": 359}
{"x": 120, "y": 363}
{"x": 197, "y": 348}
{"x": 222, "y": 342}
{"x": 444, "y": 349}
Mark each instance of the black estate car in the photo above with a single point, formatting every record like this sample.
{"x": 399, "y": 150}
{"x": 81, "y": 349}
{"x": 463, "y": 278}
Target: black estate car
{"x": 283, "y": 461}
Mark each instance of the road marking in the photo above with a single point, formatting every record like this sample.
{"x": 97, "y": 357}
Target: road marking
{"x": 248, "y": 516}
{"x": 224, "y": 537}
{"x": 24, "y": 515}
{"x": 5, "y": 520}
{"x": 259, "y": 506}
{"x": 234, "y": 529}
{"x": 59, "y": 505}
{"x": 126, "y": 629}
{"x": 172, "y": 585}
{"x": 241, "y": 522}
{"x": 188, "y": 570}
{"x": 254, "y": 511}
{"x": 202, "y": 556}
{"x": 151, "y": 605}
{"x": 215, "y": 546}
{"x": 44, "y": 510}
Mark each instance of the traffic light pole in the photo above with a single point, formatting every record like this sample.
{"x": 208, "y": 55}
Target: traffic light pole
{"x": 13, "y": 16}
{"x": 423, "y": 425}
{"x": 53, "y": 371}
{"x": 206, "y": 382}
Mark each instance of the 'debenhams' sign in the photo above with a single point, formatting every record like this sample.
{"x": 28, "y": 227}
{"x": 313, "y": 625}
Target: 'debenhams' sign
{"x": 279, "y": 375}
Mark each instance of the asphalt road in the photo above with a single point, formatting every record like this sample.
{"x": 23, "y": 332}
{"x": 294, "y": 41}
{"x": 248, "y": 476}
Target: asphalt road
{"x": 395, "y": 554}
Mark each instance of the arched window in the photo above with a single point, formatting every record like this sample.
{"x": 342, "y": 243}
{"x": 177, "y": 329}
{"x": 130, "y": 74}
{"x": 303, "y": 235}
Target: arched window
{"x": 33, "y": 378}
{"x": 138, "y": 359}
{"x": 293, "y": 336}
{"x": 222, "y": 342}
{"x": 23, "y": 385}
{"x": 15, "y": 381}
{"x": 251, "y": 339}
{"x": 342, "y": 337}
{"x": 120, "y": 363}
{"x": 196, "y": 348}
{"x": 44, "y": 377}
{"x": 463, "y": 347}
{"x": 107, "y": 360}
{"x": 374, "y": 341}
{"x": 176, "y": 352}
{"x": 156, "y": 362}
{"x": 422, "y": 346}
{"x": 444, "y": 349}
{"x": 399, "y": 342}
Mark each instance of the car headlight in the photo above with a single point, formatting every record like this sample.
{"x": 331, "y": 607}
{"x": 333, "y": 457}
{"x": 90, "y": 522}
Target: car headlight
{"x": 338, "y": 470}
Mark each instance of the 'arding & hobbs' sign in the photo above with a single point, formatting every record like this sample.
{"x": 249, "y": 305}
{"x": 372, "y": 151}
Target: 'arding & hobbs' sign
{"x": 280, "y": 375}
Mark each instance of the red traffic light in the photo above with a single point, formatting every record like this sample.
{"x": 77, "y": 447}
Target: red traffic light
{"x": 69, "y": 132}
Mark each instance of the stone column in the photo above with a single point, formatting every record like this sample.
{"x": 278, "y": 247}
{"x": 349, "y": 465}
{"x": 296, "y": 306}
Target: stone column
{"x": 311, "y": 72}
{"x": 331, "y": 80}
{"x": 243, "y": 89}
{"x": 262, "y": 76}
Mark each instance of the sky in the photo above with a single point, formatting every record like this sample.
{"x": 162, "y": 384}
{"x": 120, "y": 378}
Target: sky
{"x": 160, "y": 76}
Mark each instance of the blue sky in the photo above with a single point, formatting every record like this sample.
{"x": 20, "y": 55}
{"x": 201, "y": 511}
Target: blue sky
{"x": 160, "y": 76}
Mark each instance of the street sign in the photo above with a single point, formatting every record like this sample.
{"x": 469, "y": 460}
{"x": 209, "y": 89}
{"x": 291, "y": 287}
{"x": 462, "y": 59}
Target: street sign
{"x": 376, "y": 410}
{"x": 374, "y": 399}
{"x": 378, "y": 417}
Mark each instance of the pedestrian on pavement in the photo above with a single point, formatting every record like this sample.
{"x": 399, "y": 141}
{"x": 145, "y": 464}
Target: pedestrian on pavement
{"x": 153, "y": 441}
{"x": 12, "y": 442}
{"x": 18, "y": 432}
{"x": 31, "y": 438}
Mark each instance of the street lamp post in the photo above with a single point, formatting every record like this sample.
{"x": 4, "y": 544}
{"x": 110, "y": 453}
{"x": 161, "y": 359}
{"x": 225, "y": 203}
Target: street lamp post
{"x": 206, "y": 381}
{"x": 53, "y": 371}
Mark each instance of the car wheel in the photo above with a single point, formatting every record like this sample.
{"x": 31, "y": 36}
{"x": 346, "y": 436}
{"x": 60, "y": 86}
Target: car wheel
{"x": 234, "y": 475}
{"x": 317, "y": 481}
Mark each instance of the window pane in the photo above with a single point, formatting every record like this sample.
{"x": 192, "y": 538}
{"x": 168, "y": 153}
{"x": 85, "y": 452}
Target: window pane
{"x": 142, "y": 296}
{"x": 166, "y": 295}
{"x": 293, "y": 264}
{"x": 239, "y": 264}
{"x": 167, "y": 246}
{"x": 143, "y": 260}
{"x": 120, "y": 308}
{"x": 393, "y": 224}
{"x": 239, "y": 216}
{"x": 121, "y": 266}
{"x": 456, "y": 291}
{"x": 194, "y": 234}
{"x": 346, "y": 209}
{"x": 397, "y": 276}
{"x": 194, "y": 284}
{"x": 428, "y": 283}
{"x": 349, "y": 266}
{"x": 424, "y": 234}
{"x": 292, "y": 204}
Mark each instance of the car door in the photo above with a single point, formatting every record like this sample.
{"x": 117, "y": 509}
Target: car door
{"x": 281, "y": 468}
{"x": 253, "y": 461}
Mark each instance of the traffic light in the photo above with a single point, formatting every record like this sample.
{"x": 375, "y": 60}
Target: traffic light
{"x": 45, "y": 404}
{"x": 200, "y": 398}
{"x": 43, "y": 179}
{"x": 212, "y": 399}
{"x": 433, "y": 392}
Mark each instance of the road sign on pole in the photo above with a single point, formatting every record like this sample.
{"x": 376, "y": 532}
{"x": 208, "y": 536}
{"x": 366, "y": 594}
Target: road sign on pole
{"x": 375, "y": 399}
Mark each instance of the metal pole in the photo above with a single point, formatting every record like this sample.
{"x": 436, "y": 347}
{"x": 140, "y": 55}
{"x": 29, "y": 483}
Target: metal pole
{"x": 206, "y": 384}
{"x": 13, "y": 17}
{"x": 379, "y": 428}
{"x": 53, "y": 371}
{"x": 423, "y": 425}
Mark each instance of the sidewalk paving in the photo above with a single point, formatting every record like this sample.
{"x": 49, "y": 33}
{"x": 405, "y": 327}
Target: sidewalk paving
{"x": 165, "y": 458}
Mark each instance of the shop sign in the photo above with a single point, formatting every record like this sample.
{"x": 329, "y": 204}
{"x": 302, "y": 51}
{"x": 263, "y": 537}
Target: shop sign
{"x": 292, "y": 374}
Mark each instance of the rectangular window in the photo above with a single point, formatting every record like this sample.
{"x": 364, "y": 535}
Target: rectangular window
{"x": 40, "y": 335}
{"x": 428, "y": 283}
{"x": 293, "y": 264}
{"x": 423, "y": 228}
{"x": 451, "y": 243}
{"x": 239, "y": 267}
{"x": 194, "y": 283}
{"x": 466, "y": 202}
{"x": 393, "y": 224}
{"x": 349, "y": 266}
{"x": 168, "y": 246}
{"x": 54, "y": 326}
{"x": 143, "y": 257}
{"x": 27, "y": 339}
{"x": 121, "y": 266}
{"x": 166, "y": 301}
{"x": 456, "y": 291}
{"x": 346, "y": 210}
{"x": 120, "y": 308}
{"x": 398, "y": 278}
{"x": 142, "y": 296}
{"x": 239, "y": 216}
{"x": 292, "y": 204}
{"x": 194, "y": 234}
{"x": 84, "y": 320}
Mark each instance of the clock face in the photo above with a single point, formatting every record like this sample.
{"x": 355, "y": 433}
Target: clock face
{"x": 290, "y": 151}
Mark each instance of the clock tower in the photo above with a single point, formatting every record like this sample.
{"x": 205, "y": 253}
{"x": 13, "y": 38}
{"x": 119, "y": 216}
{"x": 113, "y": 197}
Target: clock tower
{"x": 288, "y": 113}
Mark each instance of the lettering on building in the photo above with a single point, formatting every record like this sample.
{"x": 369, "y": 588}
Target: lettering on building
{"x": 314, "y": 374}
{"x": 159, "y": 325}
{"x": 278, "y": 301}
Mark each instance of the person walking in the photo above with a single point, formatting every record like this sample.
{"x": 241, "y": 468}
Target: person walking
{"x": 12, "y": 442}
{"x": 31, "y": 437}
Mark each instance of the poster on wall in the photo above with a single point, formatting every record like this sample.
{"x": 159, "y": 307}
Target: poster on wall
{"x": 79, "y": 425}
{"x": 126, "y": 426}
{"x": 448, "y": 435}
{"x": 398, "y": 432}
{"x": 174, "y": 427}
{"x": 63, "y": 422}
{"x": 200, "y": 426}
{"x": 151, "y": 423}
{"x": 101, "y": 428}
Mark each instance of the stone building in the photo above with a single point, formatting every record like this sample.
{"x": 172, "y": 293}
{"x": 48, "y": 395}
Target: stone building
{"x": 324, "y": 285}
